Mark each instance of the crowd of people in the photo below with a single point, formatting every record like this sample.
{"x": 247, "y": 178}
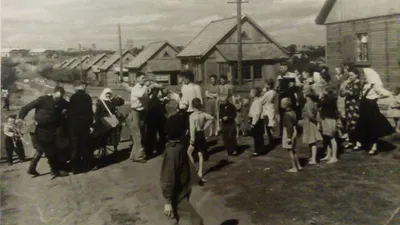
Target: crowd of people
{"x": 314, "y": 104}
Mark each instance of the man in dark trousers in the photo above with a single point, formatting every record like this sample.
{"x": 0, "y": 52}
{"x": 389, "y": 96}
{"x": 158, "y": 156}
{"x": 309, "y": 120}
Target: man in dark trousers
{"x": 80, "y": 120}
{"x": 49, "y": 110}
{"x": 227, "y": 115}
{"x": 178, "y": 174}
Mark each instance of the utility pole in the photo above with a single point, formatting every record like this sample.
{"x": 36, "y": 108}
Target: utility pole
{"x": 239, "y": 39}
{"x": 121, "y": 67}
{"x": 80, "y": 60}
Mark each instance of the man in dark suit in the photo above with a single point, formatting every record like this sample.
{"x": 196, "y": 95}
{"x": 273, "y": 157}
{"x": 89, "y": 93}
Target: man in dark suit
{"x": 80, "y": 120}
{"x": 49, "y": 113}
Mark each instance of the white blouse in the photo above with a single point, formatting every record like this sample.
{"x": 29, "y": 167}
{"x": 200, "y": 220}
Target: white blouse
{"x": 376, "y": 92}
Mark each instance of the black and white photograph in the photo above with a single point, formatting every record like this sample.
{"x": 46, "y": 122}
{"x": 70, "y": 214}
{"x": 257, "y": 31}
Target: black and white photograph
{"x": 200, "y": 112}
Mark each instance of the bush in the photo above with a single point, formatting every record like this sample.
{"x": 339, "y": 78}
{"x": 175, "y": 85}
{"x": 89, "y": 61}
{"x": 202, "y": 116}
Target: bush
{"x": 8, "y": 74}
{"x": 60, "y": 75}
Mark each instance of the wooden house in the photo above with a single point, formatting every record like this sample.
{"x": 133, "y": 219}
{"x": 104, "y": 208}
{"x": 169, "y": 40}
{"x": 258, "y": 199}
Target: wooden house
{"x": 60, "y": 65}
{"x": 76, "y": 64}
{"x": 214, "y": 51}
{"x": 68, "y": 63}
{"x": 365, "y": 33}
{"x": 109, "y": 71}
{"x": 92, "y": 67}
{"x": 157, "y": 59}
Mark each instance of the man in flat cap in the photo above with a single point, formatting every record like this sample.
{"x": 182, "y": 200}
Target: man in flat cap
{"x": 80, "y": 120}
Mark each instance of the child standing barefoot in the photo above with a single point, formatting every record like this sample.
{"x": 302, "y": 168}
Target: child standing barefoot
{"x": 289, "y": 134}
{"x": 329, "y": 116}
{"x": 394, "y": 109}
{"x": 199, "y": 121}
{"x": 311, "y": 133}
{"x": 13, "y": 140}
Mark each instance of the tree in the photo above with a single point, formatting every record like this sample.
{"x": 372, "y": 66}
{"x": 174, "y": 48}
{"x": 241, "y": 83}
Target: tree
{"x": 8, "y": 74}
{"x": 292, "y": 49}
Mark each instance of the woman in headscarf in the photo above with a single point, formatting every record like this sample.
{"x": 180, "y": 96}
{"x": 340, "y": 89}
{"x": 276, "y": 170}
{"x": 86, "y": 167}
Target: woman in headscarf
{"x": 372, "y": 124}
{"x": 105, "y": 134}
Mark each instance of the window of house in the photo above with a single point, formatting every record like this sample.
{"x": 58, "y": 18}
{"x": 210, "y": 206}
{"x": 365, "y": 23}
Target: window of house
{"x": 362, "y": 47}
{"x": 245, "y": 36}
{"x": 127, "y": 58}
{"x": 166, "y": 54}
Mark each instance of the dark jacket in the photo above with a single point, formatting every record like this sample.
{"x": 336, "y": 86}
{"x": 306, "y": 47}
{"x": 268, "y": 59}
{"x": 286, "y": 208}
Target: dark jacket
{"x": 80, "y": 111}
{"x": 112, "y": 105}
{"x": 48, "y": 111}
{"x": 177, "y": 174}
{"x": 229, "y": 111}
{"x": 328, "y": 107}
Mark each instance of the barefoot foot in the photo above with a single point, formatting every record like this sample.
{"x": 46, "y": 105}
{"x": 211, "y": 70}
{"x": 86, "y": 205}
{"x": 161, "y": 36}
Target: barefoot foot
{"x": 332, "y": 161}
{"x": 292, "y": 170}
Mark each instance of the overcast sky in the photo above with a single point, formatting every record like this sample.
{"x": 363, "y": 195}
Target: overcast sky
{"x": 65, "y": 23}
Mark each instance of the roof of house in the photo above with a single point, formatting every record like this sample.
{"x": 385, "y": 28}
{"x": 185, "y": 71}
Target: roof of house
{"x": 37, "y": 50}
{"x": 78, "y": 62}
{"x": 94, "y": 60}
{"x": 60, "y": 64}
{"x": 160, "y": 65}
{"x": 114, "y": 58}
{"x": 213, "y": 33}
{"x": 149, "y": 51}
{"x": 69, "y": 62}
{"x": 252, "y": 51}
{"x": 364, "y": 9}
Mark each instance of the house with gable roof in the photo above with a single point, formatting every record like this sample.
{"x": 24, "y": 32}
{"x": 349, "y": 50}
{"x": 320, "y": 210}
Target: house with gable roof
{"x": 159, "y": 60}
{"x": 91, "y": 68}
{"x": 77, "y": 63}
{"x": 214, "y": 51}
{"x": 110, "y": 70}
{"x": 68, "y": 63}
{"x": 365, "y": 33}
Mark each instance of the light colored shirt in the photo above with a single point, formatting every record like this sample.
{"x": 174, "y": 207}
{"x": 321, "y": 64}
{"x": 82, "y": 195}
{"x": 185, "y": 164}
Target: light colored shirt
{"x": 9, "y": 130}
{"x": 376, "y": 92}
{"x": 189, "y": 92}
{"x": 268, "y": 102}
{"x": 255, "y": 111}
{"x": 139, "y": 97}
{"x": 197, "y": 122}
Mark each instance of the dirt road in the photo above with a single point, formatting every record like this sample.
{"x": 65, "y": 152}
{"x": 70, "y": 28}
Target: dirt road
{"x": 358, "y": 190}
{"x": 122, "y": 193}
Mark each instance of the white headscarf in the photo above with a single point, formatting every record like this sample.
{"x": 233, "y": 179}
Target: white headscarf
{"x": 104, "y": 92}
{"x": 372, "y": 76}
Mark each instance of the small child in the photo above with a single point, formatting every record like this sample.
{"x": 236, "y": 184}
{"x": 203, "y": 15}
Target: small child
{"x": 199, "y": 121}
{"x": 227, "y": 115}
{"x": 329, "y": 117}
{"x": 311, "y": 134}
{"x": 394, "y": 109}
{"x": 289, "y": 134}
{"x": 13, "y": 140}
{"x": 256, "y": 124}
{"x": 269, "y": 100}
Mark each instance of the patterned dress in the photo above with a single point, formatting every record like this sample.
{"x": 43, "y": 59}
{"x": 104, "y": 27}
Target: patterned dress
{"x": 352, "y": 104}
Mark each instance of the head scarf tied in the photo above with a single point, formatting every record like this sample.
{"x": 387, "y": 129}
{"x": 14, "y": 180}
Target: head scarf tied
{"x": 104, "y": 93}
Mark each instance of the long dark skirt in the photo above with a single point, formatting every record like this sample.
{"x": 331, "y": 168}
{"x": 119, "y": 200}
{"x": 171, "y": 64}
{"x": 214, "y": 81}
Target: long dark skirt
{"x": 372, "y": 124}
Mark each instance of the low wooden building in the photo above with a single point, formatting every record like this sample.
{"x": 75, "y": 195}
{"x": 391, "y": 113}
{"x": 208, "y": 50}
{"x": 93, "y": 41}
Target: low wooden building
{"x": 77, "y": 63}
{"x": 157, "y": 59}
{"x": 91, "y": 68}
{"x": 214, "y": 51}
{"x": 365, "y": 33}
{"x": 68, "y": 63}
{"x": 60, "y": 65}
{"x": 109, "y": 71}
